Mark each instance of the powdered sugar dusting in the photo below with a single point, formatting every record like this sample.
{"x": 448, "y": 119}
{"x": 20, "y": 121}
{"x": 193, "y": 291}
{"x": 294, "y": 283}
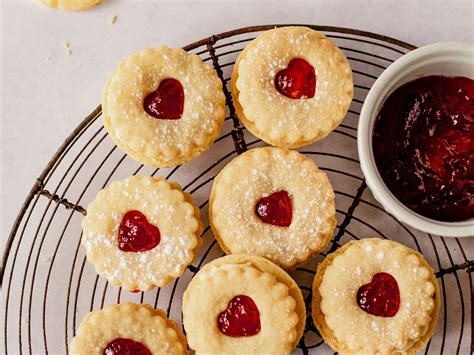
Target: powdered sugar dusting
{"x": 141, "y": 74}
{"x": 293, "y": 119}
{"x": 163, "y": 208}
{"x": 127, "y": 320}
{"x": 257, "y": 174}
{"x": 355, "y": 267}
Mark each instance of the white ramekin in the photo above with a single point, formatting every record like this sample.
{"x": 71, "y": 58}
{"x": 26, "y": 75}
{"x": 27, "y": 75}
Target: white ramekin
{"x": 447, "y": 58}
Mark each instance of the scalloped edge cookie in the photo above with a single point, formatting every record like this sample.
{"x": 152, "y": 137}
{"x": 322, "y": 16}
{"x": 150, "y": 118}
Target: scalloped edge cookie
{"x": 104, "y": 215}
{"x": 337, "y": 110}
{"x": 328, "y": 224}
{"x": 154, "y": 322}
{"x": 265, "y": 265}
{"x": 319, "y": 319}
{"x": 71, "y": 5}
{"x": 159, "y": 142}
{"x": 243, "y": 265}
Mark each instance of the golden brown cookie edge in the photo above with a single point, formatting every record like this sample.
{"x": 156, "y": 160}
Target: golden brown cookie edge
{"x": 265, "y": 265}
{"x": 318, "y": 317}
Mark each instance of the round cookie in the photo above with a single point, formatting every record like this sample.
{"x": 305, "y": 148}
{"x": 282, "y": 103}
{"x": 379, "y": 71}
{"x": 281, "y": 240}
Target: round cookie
{"x": 128, "y": 328}
{"x": 291, "y": 86}
{"x": 342, "y": 289}
{"x": 272, "y": 181}
{"x": 163, "y": 106}
{"x": 211, "y": 324}
{"x": 141, "y": 232}
{"x": 281, "y": 275}
{"x": 71, "y": 5}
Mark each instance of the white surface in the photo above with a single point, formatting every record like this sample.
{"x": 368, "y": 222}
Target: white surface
{"x": 445, "y": 58}
{"x": 45, "y": 93}
{"x": 44, "y": 100}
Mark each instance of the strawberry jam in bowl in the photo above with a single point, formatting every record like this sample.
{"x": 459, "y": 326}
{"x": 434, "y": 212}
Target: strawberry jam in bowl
{"x": 423, "y": 144}
{"x": 416, "y": 139}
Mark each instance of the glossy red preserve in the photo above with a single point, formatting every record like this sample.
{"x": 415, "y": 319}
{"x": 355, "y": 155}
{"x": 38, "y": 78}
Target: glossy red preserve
{"x": 166, "y": 102}
{"x": 380, "y": 297}
{"x": 136, "y": 233}
{"x": 275, "y": 209}
{"x": 124, "y": 346}
{"x": 423, "y": 144}
{"x": 297, "y": 81}
{"x": 240, "y": 319}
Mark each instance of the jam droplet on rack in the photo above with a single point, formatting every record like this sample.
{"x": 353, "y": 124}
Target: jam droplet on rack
{"x": 166, "y": 102}
{"x": 297, "y": 81}
{"x": 275, "y": 209}
{"x": 136, "y": 233}
{"x": 240, "y": 319}
{"x": 124, "y": 346}
{"x": 380, "y": 297}
{"x": 423, "y": 144}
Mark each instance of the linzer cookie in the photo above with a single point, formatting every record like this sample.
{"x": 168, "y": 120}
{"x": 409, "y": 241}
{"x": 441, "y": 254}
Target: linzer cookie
{"x": 243, "y": 304}
{"x": 291, "y": 86}
{"x": 128, "y": 329}
{"x": 71, "y": 5}
{"x": 375, "y": 296}
{"x": 275, "y": 203}
{"x": 163, "y": 106}
{"x": 141, "y": 232}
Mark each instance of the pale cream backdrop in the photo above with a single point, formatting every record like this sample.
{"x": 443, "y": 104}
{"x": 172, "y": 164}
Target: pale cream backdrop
{"x": 45, "y": 93}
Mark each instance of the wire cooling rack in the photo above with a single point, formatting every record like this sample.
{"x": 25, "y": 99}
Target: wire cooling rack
{"x": 48, "y": 286}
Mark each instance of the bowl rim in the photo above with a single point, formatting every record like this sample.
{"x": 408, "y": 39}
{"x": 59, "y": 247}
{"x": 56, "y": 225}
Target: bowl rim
{"x": 382, "y": 87}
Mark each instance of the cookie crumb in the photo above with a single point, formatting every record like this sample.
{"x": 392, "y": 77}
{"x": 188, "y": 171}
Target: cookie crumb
{"x": 112, "y": 19}
{"x": 67, "y": 48}
{"x": 46, "y": 260}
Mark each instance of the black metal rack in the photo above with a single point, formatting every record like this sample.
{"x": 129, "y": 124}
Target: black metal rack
{"x": 48, "y": 286}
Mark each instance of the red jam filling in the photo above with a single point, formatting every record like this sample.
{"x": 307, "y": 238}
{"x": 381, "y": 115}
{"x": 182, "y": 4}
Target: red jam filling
{"x": 166, "y": 102}
{"x": 423, "y": 143}
{"x": 380, "y": 297}
{"x": 275, "y": 209}
{"x": 136, "y": 233}
{"x": 123, "y": 346}
{"x": 240, "y": 319}
{"x": 297, "y": 81}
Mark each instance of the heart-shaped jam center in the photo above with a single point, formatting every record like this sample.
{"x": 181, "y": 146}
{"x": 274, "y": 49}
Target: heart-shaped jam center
{"x": 275, "y": 209}
{"x": 240, "y": 319}
{"x": 136, "y": 233}
{"x": 166, "y": 102}
{"x": 124, "y": 346}
{"x": 297, "y": 81}
{"x": 380, "y": 297}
